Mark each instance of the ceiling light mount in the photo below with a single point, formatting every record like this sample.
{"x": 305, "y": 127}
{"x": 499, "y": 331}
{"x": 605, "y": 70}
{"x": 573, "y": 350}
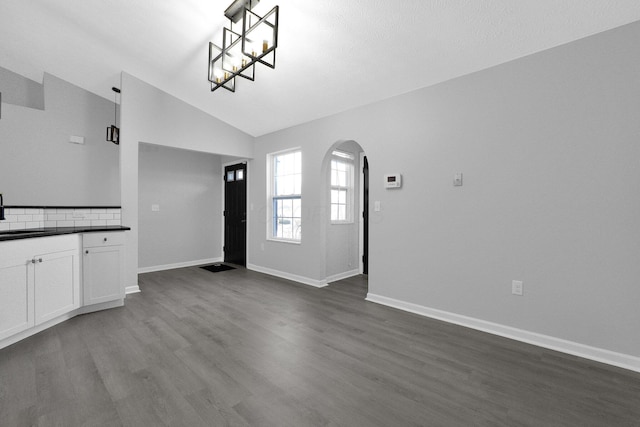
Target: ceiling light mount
{"x": 236, "y": 9}
{"x": 240, "y": 51}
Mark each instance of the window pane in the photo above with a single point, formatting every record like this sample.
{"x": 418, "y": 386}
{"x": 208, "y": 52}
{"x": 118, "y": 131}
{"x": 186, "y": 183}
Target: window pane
{"x": 297, "y": 229}
{"x": 342, "y": 197}
{"x": 230, "y": 176}
{"x": 297, "y": 208}
{"x": 334, "y": 212}
{"x": 240, "y": 175}
{"x": 342, "y": 213}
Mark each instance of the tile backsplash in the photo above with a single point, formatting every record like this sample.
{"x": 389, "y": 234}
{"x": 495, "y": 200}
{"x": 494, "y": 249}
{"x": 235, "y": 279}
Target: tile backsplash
{"x": 26, "y": 218}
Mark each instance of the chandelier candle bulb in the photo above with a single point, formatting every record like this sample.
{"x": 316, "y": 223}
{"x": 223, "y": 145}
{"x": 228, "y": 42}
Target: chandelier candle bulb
{"x": 265, "y": 46}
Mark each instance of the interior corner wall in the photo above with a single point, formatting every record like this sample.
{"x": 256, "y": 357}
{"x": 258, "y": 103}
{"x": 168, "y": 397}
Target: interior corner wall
{"x": 38, "y": 164}
{"x": 548, "y": 148}
{"x": 153, "y": 116}
{"x": 180, "y": 207}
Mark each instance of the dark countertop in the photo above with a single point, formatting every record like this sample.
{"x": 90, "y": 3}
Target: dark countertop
{"x": 56, "y": 231}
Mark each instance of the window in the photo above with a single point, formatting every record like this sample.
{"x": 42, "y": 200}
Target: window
{"x": 285, "y": 181}
{"x": 341, "y": 187}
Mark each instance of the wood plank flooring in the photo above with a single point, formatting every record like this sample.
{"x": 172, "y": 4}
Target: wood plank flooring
{"x": 239, "y": 348}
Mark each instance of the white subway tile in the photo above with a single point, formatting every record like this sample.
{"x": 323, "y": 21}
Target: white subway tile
{"x": 65, "y": 223}
{"x": 25, "y": 218}
{"x": 106, "y": 216}
{"x": 32, "y": 224}
{"x": 113, "y": 222}
{"x": 11, "y": 218}
{"x": 50, "y": 224}
{"x": 82, "y": 223}
{"x": 38, "y": 217}
{"x": 113, "y": 210}
{"x": 92, "y": 216}
{"x": 56, "y": 217}
{"x": 4, "y": 226}
{"x": 116, "y": 216}
{"x": 64, "y": 211}
{"x": 98, "y": 222}
{"x": 15, "y": 211}
{"x": 98, "y": 211}
{"x": 17, "y": 226}
{"x": 33, "y": 211}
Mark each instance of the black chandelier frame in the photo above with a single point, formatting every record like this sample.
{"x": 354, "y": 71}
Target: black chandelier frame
{"x": 224, "y": 67}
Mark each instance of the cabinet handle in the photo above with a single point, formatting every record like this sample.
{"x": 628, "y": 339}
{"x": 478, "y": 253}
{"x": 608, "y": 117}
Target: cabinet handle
{"x": 39, "y": 259}
{"x": 105, "y": 239}
{"x": 33, "y": 261}
{"x": 87, "y": 251}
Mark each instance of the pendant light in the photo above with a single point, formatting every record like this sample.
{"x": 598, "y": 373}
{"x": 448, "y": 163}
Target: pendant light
{"x": 113, "y": 132}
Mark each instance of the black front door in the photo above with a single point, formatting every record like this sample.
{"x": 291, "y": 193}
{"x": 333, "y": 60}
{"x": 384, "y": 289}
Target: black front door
{"x": 365, "y": 214}
{"x": 235, "y": 214}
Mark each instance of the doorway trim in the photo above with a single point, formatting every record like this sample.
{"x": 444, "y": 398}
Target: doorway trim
{"x": 361, "y": 214}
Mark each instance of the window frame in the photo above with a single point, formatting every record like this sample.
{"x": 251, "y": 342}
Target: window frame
{"x": 347, "y": 159}
{"x": 272, "y": 199}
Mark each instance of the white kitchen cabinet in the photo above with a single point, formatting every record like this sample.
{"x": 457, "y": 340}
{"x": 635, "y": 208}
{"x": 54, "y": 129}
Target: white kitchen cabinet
{"x": 102, "y": 268}
{"x": 57, "y": 284}
{"x": 16, "y": 296}
{"x": 39, "y": 282}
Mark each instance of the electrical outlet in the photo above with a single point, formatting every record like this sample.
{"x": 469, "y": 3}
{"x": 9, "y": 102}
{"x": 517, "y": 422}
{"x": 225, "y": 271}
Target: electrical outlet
{"x": 517, "y": 287}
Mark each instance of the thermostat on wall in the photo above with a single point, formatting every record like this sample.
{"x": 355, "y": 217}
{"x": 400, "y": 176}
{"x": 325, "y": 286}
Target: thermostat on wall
{"x": 392, "y": 180}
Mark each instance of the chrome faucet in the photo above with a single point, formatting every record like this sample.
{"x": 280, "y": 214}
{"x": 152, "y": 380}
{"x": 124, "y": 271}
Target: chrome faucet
{"x": 1, "y": 208}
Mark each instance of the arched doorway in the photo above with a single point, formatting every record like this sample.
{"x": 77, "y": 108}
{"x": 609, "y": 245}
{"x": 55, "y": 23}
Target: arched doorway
{"x": 345, "y": 172}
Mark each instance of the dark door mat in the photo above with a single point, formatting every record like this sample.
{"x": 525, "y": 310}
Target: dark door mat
{"x": 214, "y": 268}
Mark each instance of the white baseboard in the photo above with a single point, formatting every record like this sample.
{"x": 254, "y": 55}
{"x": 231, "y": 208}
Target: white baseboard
{"x": 132, "y": 289}
{"x": 288, "y": 276}
{"x": 178, "y": 265}
{"x": 620, "y": 360}
{"x": 345, "y": 275}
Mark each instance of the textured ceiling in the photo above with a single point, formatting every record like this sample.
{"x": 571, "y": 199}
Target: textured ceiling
{"x": 333, "y": 55}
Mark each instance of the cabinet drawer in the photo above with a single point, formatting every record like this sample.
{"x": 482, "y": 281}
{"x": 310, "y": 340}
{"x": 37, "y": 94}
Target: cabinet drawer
{"x": 92, "y": 240}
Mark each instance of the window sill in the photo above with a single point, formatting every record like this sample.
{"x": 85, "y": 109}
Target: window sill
{"x": 292, "y": 242}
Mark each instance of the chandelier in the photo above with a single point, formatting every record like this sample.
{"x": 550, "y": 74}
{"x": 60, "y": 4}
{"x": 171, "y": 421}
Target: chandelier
{"x": 254, "y": 41}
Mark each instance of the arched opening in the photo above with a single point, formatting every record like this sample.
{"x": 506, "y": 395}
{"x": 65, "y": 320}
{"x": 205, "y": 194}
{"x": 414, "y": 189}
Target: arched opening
{"x": 345, "y": 189}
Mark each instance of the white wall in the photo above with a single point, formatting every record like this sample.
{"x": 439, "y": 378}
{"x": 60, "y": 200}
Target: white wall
{"x": 186, "y": 186}
{"x": 153, "y": 116}
{"x": 38, "y": 165}
{"x": 548, "y": 145}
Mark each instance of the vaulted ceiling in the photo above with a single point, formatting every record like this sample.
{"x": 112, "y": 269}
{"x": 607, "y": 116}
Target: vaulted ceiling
{"x": 333, "y": 55}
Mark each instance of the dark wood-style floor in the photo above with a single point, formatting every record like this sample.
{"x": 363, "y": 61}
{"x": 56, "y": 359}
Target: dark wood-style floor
{"x": 242, "y": 348}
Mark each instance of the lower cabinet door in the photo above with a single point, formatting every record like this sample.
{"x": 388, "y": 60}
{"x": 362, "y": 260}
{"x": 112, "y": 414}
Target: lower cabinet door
{"x": 16, "y": 297}
{"x": 57, "y": 285}
{"x": 102, "y": 274}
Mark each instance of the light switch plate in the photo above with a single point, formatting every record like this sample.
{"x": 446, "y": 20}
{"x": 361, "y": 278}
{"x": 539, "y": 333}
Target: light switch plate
{"x": 155, "y": 208}
{"x": 517, "y": 287}
{"x": 457, "y": 179}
